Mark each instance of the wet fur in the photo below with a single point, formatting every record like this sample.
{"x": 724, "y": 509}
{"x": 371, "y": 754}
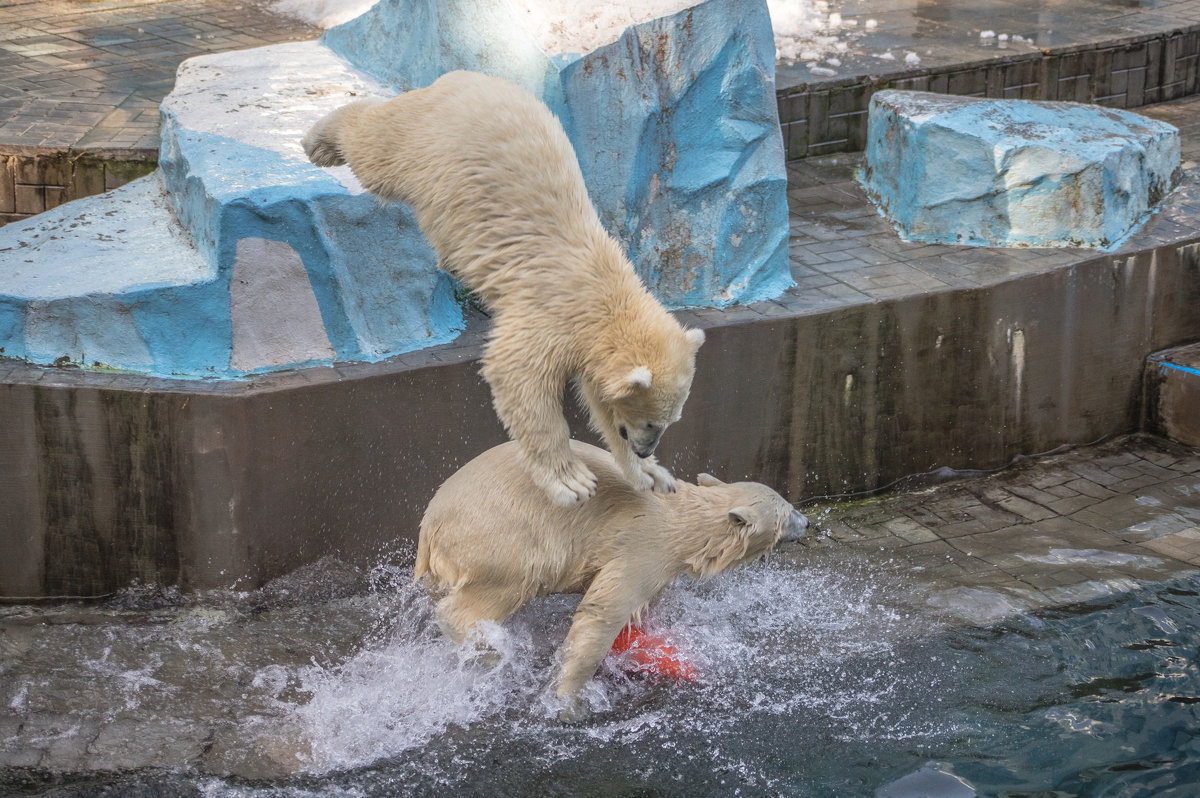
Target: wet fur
{"x": 490, "y": 541}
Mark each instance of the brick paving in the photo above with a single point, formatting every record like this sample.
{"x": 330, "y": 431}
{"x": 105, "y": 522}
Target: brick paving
{"x": 1045, "y": 531}
{"x": 81, "y": 82}
{"x": 90, "y": 75}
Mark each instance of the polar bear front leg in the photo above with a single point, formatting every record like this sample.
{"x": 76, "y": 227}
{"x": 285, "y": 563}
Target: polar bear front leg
{"x": 533, "y": 416}
{"x": 661, "y": 479}
{"x": 609, "y": 604}
{"x": 644, "y": 473}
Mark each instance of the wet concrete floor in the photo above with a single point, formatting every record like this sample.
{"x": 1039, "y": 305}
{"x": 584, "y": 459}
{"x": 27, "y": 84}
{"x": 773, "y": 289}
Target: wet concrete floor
{"x": 1047, "y": 531}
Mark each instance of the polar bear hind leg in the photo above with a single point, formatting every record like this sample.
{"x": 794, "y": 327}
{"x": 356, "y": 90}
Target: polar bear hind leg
{"x": 463, "y": 607}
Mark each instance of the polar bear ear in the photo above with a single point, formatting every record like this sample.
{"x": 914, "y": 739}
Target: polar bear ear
{"x": 636, "y": 378}
{"x": 707, "y": 481}
{"x": 694, "y": 338}
{"x": 640, "y": 377}
{"x": 741, "y": 517}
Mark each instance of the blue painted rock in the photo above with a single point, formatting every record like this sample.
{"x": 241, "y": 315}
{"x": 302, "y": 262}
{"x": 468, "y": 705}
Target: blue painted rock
{"x": 239, "y": 256}
{"x": 675, "y": 125}
{"x": 966, "y": 170}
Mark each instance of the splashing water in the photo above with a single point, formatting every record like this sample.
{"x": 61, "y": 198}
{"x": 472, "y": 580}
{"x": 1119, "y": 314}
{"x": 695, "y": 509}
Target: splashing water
{"x": 767, "y": 639}
{"x": 403, "y": 691}
{"x": 831, "y": 677}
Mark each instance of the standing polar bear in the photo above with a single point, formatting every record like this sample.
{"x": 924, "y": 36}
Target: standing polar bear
{"x": 500, "y": 197}
{"x": 490, "y": 541}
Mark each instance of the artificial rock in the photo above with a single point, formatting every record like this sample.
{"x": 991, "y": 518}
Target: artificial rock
{"x": 967, "y": 170}
{"x": 239, "y": 256}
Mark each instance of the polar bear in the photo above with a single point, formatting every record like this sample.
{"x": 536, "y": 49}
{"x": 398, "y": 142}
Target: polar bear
{"x": 490, "y": 541}
{"x": 500, "y": 197}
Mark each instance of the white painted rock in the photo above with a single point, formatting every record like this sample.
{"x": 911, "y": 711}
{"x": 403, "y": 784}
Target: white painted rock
{"x": 966, "y": 170}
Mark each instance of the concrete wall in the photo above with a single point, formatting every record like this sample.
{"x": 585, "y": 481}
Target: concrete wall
{"x": 33, "y": 180}
{"x": 1172, "y": 399}
{"x": 108, "y": 478}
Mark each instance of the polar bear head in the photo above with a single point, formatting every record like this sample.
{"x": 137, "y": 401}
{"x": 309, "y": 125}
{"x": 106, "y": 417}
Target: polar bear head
{"x": 644, "y": 392}
{"x": 756, "y": 518}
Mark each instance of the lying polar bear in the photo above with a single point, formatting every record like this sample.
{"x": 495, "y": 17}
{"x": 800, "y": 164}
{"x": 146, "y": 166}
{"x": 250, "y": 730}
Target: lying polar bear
{"x": 491, "y": 540}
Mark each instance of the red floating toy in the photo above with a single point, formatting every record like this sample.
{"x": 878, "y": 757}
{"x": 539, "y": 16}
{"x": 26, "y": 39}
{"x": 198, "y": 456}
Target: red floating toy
{"x": 640, "y": 652}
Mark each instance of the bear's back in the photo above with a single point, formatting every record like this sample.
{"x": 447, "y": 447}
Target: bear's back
{"x": 490, "y": 515}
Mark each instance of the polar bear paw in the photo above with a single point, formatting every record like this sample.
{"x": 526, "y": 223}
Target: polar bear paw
{"x": 321, "y": 149}
{"x": 574, "y": 710}
{"x": 655, "y": 477}
{"x": 571, "y": 484}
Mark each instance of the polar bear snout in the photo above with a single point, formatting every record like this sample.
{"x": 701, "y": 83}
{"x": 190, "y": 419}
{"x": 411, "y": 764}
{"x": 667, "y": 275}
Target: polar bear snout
{"x": 643, "y": 440}
{"x": 795, "y": 527}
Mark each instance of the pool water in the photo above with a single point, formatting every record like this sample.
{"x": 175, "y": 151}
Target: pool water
{"x": 816, "y": 679}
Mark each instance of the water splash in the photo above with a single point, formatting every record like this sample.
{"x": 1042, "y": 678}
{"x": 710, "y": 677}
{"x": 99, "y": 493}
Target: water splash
{"x": 401, "y": 691}
{"x": 769, "y": 639}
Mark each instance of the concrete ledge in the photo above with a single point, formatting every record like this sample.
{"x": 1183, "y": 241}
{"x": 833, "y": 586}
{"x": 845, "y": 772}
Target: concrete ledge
{"x": 106, "y": 478}
{"x": 1173, "y": 394}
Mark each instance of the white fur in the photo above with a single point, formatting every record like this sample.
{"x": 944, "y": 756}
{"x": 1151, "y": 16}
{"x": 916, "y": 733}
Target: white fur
{"x": 500, "y": 197}
{"x": 490, "y": 541}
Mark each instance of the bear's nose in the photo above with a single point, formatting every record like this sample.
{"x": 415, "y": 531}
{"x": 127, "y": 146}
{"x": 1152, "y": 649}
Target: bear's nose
{"x": 795, "y": 527}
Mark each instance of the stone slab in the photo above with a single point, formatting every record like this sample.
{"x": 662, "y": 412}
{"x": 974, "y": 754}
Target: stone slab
{"x": 233, "y": 162}
{"x": 985, "y": 172}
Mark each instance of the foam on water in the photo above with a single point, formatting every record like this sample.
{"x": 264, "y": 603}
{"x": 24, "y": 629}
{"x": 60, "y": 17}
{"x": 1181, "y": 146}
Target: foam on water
{"x": 332, "y": 676}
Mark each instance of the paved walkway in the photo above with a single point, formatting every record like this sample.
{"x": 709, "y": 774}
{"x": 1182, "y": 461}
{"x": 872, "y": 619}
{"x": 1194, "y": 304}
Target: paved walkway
{"x": 1047, "y": 531}
{"x": 90, "y": 75}
{"x": 876, "y": 37}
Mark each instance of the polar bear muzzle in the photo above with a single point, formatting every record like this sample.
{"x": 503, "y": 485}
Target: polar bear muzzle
{"x": 795, "y": 527}
{"x": 642, "y": 439}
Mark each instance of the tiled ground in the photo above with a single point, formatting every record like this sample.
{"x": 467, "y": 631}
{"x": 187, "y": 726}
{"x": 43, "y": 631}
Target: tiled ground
{"x": 1046, "y": 531}
{"x": 948, "y": 32}
{"x": 90, "y": 75}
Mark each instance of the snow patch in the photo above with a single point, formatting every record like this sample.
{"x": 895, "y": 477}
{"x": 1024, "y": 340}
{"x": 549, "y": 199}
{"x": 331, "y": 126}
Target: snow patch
{"x": 322, "y": 13}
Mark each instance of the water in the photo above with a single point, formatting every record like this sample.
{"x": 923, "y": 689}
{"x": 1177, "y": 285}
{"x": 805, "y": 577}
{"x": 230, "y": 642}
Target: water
{"x": 817, "y": 679}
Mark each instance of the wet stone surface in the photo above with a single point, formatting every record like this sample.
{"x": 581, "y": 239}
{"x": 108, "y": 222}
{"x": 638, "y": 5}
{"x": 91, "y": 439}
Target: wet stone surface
{"x": 1007, "y": 172}
{"x": 1056, "y": 530}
